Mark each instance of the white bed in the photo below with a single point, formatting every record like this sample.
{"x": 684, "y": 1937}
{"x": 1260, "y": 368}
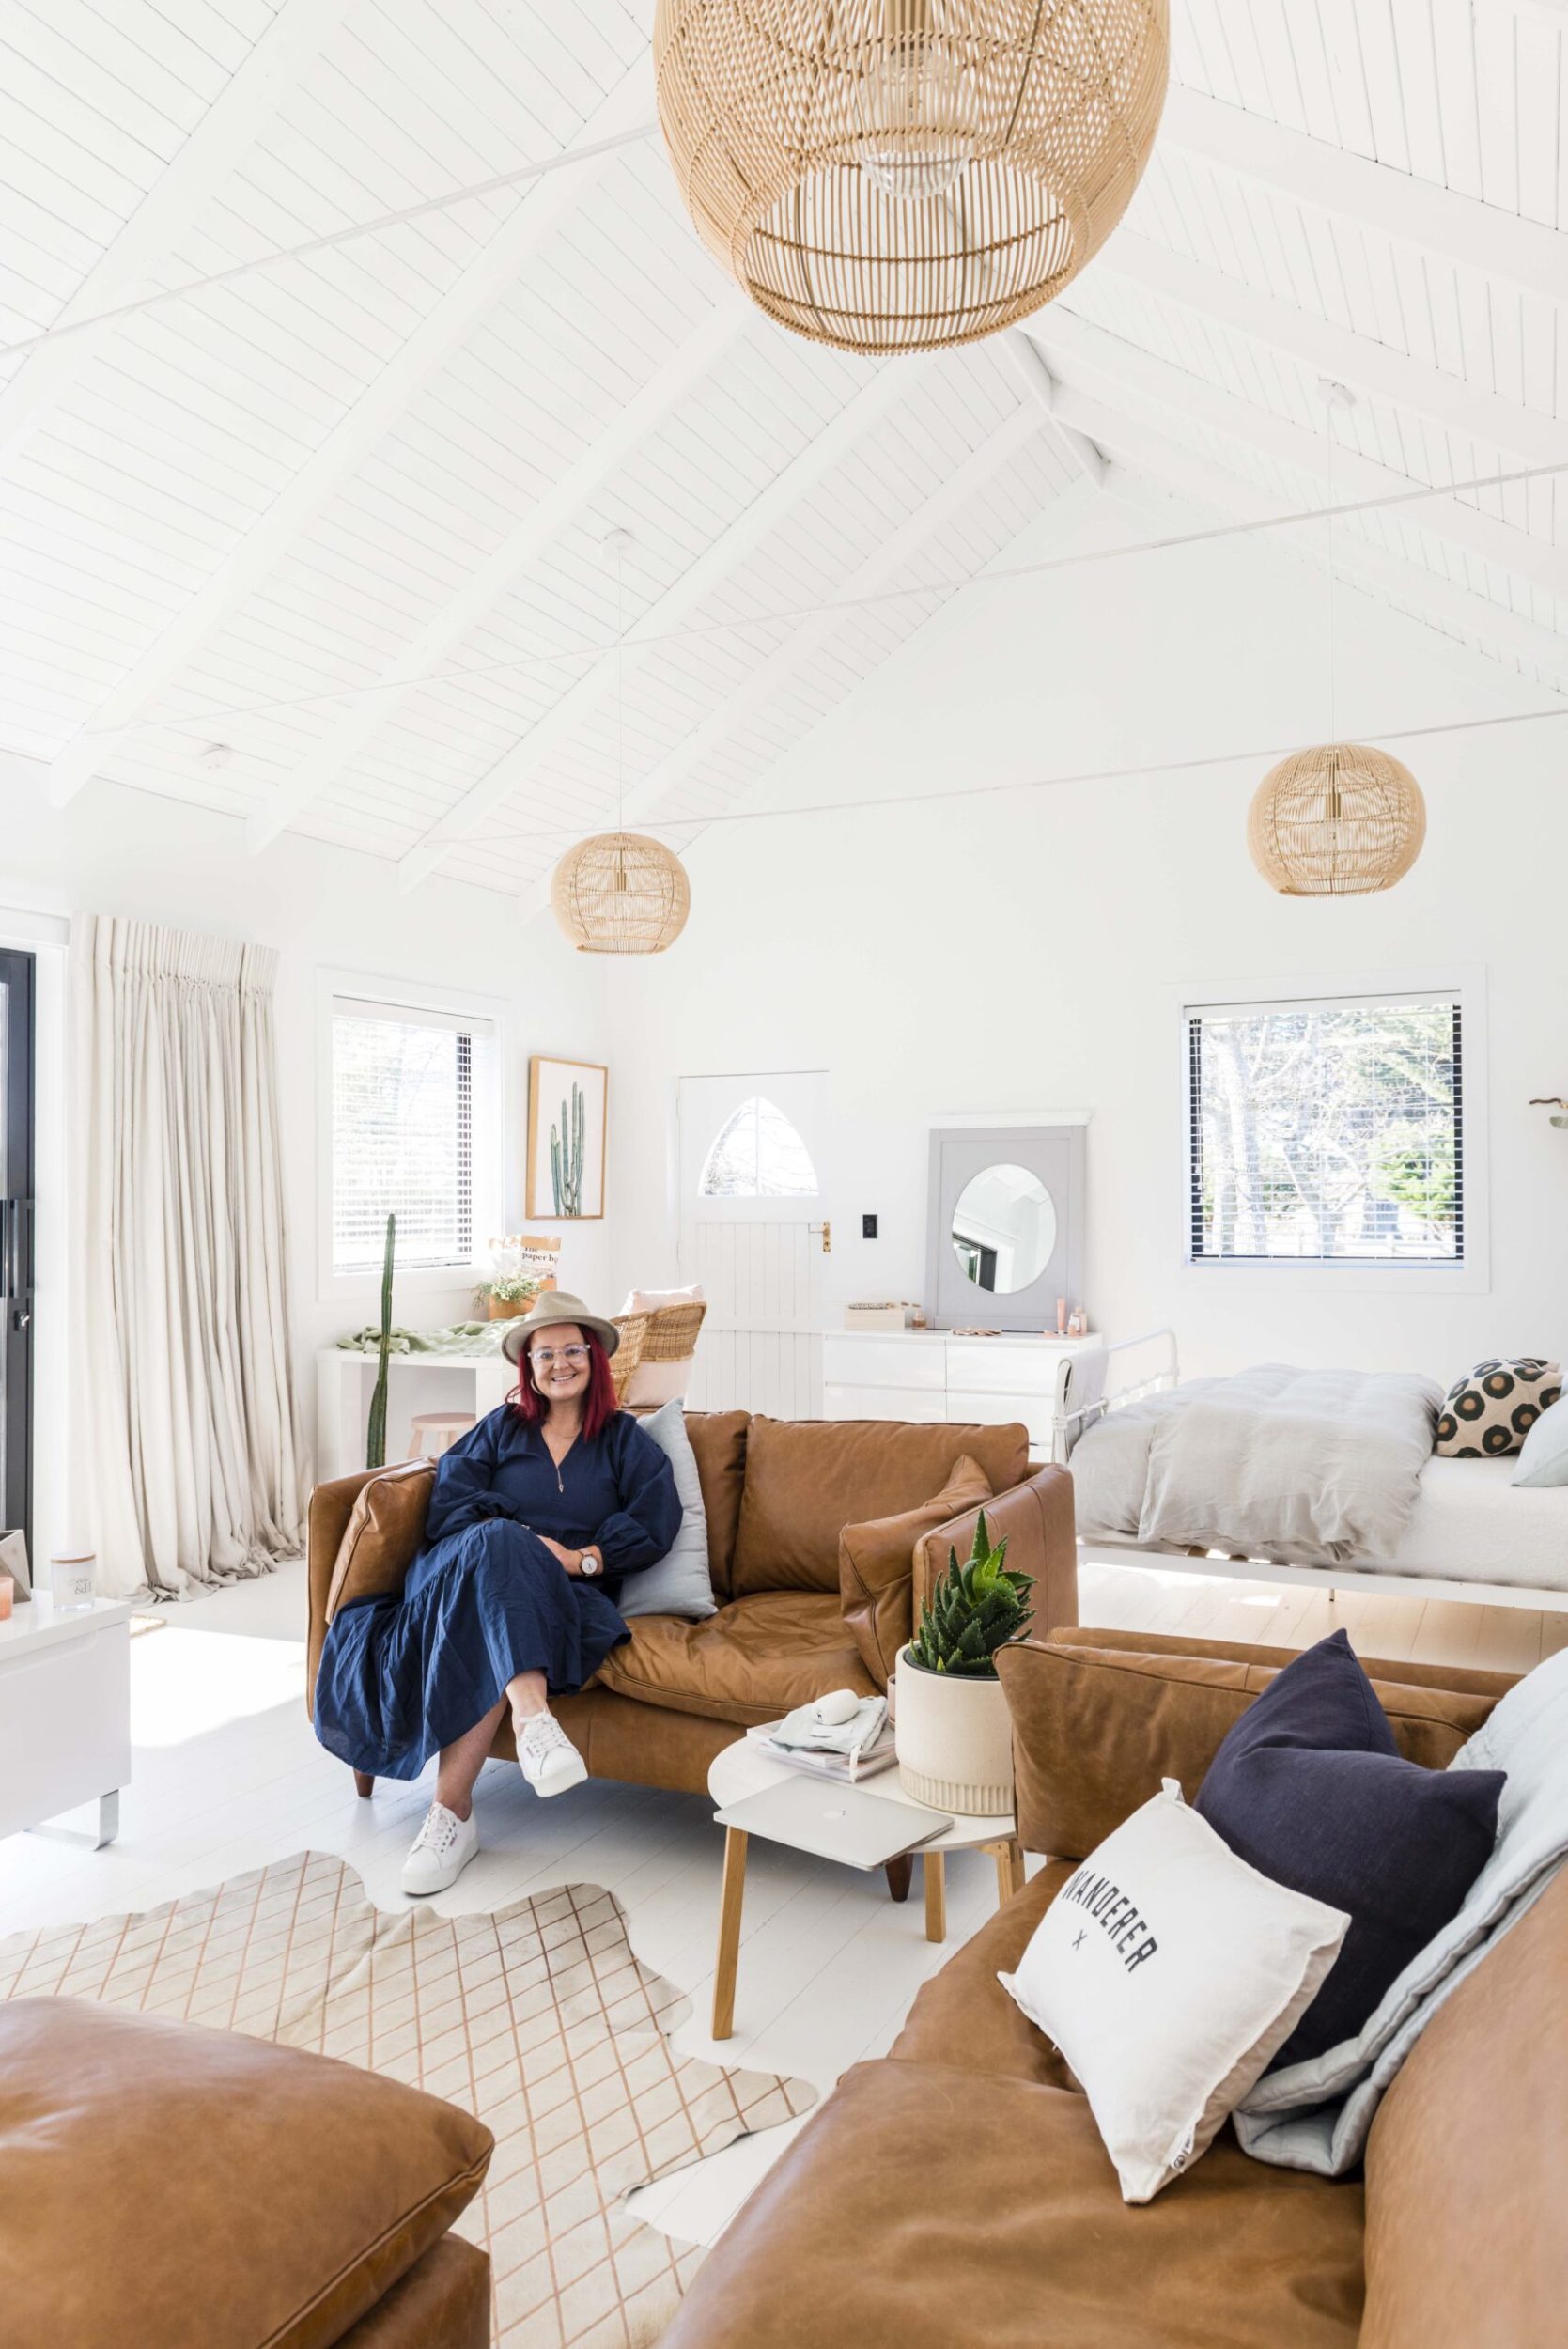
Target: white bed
{"x": 1472, "y": 1533}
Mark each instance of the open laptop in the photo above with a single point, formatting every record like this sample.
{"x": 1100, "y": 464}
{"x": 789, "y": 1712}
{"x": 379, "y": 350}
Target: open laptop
{"x": 835, "y": 1822}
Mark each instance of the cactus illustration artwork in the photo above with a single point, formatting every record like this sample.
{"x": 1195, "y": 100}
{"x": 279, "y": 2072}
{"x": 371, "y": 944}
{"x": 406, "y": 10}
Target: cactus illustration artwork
{"x": 568, "y": 1150}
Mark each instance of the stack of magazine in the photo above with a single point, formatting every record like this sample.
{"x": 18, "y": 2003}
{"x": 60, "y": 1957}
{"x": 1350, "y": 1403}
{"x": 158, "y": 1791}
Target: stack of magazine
{"x": 861, "y": 1762}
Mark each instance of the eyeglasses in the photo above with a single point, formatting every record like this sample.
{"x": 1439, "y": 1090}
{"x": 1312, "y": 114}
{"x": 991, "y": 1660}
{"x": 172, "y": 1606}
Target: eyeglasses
{"x": 545, "y": 1355}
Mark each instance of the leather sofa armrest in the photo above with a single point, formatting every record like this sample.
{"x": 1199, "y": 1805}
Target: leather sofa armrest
{"x": 330, "y": 1507}
{"x": 1100, "y": 1717}
{"x": 1038, "y": 1519}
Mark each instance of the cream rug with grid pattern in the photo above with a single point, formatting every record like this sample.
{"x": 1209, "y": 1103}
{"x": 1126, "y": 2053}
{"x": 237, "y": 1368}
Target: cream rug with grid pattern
{"x": 539, "y": 2019}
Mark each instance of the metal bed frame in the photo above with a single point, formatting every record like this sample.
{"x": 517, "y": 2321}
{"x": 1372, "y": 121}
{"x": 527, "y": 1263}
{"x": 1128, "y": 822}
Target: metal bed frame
{"x": 1071, "y": 1421}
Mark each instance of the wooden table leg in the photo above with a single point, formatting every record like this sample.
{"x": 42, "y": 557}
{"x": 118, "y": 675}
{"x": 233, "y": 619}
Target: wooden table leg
{"x": 1010, "y": 1869}
{"x": 729, "y": 1932}
{"x": 934, "y": 1867}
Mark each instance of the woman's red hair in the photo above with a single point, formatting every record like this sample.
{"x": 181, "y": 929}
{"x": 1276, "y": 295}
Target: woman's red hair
{"x": 598, "y": 1404}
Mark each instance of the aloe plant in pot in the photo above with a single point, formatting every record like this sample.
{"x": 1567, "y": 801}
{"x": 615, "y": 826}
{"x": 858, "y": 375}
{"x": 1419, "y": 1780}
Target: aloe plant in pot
{"x": 953, "y": 1731}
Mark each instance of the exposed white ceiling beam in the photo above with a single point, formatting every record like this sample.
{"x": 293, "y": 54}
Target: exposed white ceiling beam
{"x": 1417, "y": 211}
{"x": 1147, "y": 449}
{"x": 493, "y": 271}
{"x": 775, "y": 675}
{"x": 1337, "y": 351}
{"x": 1029, "y": 366}
{"x": 1073, "y": 346}
{"x": 235, "y": 120}
{"x": 894, "y": 381}
{"x": 562, "y": 503}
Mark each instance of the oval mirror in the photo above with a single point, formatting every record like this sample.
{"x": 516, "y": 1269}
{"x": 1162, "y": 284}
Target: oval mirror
{"x": 1004, "y": 1229}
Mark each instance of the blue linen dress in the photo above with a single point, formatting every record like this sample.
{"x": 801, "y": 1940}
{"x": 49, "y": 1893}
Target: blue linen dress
{"x": 402, "y": 1676}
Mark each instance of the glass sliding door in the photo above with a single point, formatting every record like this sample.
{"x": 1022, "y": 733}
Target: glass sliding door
{"x": 16, "y": 1241}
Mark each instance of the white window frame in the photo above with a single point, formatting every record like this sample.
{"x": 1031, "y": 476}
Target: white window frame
{"x": 1464, "y": 984}
{"x": 489, "y": 1167}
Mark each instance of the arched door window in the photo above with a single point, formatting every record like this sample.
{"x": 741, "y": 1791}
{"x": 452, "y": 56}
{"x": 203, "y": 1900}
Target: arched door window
{"x": 759, "y": 1155}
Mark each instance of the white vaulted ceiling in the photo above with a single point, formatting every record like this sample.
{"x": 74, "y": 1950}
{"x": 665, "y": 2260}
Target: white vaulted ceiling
{"x": 344, "y": 514}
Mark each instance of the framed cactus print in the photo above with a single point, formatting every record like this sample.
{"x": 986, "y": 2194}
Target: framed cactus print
{"x": 566, "y": 1101}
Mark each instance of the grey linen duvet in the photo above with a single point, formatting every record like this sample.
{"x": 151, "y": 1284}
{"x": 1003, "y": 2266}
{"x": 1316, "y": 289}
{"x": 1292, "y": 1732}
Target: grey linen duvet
{"x": 1319, "y": 1467}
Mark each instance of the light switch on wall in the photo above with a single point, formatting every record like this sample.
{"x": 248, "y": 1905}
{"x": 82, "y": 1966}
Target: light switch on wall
{"x": 868, "y": 1227}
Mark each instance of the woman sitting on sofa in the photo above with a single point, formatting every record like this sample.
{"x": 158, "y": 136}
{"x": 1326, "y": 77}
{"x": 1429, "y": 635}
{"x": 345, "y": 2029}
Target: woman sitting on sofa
{"x": 536, "y": 1516}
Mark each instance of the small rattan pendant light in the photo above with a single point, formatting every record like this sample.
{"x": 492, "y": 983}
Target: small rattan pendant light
{"x": 1340, "y": 819}
{"x": 897, "y": 175}
{"x": 620, "y": 893}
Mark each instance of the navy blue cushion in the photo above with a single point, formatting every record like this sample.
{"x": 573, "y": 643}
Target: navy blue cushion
{"x": 1309, "y": 1788}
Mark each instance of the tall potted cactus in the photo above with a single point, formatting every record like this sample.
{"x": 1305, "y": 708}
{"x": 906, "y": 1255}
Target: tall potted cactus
{"x": 374, "y": 1441}
{"x": 953, "y": 1732}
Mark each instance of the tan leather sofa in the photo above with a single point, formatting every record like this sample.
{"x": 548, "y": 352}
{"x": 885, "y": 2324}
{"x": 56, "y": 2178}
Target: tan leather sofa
{"x": 168, "y": 2187}
{"x": 957, "y": 2192}
{"x": 794, "y": 1618}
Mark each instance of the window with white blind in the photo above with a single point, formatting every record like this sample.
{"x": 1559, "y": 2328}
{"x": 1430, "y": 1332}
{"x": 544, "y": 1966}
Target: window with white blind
{"x": 414, "y": 1124}
{"x": 1326, "y": 1130}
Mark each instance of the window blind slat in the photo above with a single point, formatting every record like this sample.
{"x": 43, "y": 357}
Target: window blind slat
{"x": 1327, "y": 1130}
{"x": 402, "y": 1143}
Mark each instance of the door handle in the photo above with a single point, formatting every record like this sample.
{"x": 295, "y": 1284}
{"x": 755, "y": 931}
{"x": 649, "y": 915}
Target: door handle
{"x": 826, "y": 1231}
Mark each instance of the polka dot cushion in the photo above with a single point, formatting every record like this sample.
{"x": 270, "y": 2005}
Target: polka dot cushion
{"x": 1490, "y": 1413}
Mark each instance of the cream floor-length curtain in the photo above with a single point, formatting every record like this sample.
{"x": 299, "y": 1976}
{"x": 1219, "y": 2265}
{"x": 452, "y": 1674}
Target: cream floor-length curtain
{"x": 186, "y": 1437}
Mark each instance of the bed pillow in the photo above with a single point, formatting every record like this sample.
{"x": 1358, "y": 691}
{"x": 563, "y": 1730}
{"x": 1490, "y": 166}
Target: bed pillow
{"x": 1309, "y": 1786}
{"x": 679, "y": 1584}
{"x": 1543, "y": 1457}
{"x": 1167, "y": 1972}
{"x": 1489, "y": 1413}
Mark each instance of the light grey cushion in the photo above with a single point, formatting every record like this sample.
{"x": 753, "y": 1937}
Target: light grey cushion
{"x": 1543, "y": 1460}
{"x": 679, "y": 1584}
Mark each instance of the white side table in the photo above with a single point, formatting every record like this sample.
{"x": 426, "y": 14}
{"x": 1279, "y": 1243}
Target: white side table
{"x": 65, "y": 1714}
{"x": 744, "y": 1769}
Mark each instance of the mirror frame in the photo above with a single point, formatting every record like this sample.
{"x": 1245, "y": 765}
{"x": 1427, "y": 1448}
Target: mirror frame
{"x": 1038, "y": 1147}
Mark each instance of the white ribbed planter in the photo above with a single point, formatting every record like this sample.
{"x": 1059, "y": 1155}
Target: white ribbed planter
{"x": 955, "y": 1742}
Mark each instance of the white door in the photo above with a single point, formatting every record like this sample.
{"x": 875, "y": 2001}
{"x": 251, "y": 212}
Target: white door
{"x": 754, "y": 1229}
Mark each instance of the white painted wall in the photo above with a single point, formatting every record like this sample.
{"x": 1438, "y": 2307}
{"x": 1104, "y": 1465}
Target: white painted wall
{"x": 120, "y": 851}
{"x": 1027, "y": 951}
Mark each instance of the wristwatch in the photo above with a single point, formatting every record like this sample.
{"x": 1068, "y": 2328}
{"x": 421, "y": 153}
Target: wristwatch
{"x": 588, "y": 1563}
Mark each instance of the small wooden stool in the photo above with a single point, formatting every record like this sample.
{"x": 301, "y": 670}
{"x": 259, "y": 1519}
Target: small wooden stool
{"x": 431, "y": 1432}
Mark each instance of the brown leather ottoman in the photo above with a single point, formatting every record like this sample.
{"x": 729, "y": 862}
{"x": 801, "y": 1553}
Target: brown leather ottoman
{"x": 177, "y": 2188}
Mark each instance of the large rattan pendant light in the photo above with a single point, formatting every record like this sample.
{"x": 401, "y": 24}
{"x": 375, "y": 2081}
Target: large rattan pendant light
{"x": 895, "y": 174}
{"x": 1340, "y": 819}
{"x": 620, "y": 893}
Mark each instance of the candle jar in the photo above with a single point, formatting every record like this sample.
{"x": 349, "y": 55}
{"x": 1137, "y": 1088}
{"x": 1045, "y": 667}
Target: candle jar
{"x": 72, "y": 1582}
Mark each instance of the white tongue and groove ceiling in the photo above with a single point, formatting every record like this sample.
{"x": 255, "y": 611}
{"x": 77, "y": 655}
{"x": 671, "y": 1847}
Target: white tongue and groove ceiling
{"x": 345, "y": 515}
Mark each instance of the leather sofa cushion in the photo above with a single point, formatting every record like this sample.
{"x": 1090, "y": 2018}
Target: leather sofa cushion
{"x": 876, "y": 1568}
{"x": 751, "y": 1662}
{"x": 1466, "y": 2240}
{"x": 444, "y": 2297}
{"x": 927, "y": 2205}
{"x": 964, "y": 2006}
{"x": 197, "y": 2189}
{"x": 385, "y": 1527}
{"x": 1098, "y": 1727}
{"x": 807, "y": 1479}
{"x": 719, "y": 1446}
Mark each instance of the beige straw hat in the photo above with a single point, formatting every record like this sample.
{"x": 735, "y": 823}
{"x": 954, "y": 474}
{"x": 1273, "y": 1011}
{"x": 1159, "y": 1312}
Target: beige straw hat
{"x": 556, "y": 1305}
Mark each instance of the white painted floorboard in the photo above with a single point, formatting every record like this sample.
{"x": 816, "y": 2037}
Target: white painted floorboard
{"x": 227, "y": 1775}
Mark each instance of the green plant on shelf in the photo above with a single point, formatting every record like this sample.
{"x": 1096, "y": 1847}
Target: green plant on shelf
{"x": 375, "y": 1439}
{"x": 568, "y": 1149}
{"x": 507, "y": 1288}
{"x": 974, "y": 1608}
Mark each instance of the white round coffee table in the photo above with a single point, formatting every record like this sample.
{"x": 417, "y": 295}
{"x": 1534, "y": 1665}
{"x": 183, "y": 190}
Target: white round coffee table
{"x": 744, "y": 1769}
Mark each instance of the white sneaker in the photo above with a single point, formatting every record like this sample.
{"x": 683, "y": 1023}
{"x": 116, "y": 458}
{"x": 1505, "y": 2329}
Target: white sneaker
{"x": 547, "y": 1757}
{"x": 440, "y": 1851}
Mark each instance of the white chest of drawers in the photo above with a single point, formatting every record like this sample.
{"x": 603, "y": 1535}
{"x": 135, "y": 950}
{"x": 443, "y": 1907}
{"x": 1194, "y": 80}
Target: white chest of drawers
{"x": 935, "y": 1374}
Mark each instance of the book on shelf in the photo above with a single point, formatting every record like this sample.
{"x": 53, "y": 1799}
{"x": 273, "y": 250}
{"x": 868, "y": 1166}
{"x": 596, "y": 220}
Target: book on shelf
{"x": 844, "y": 1768}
